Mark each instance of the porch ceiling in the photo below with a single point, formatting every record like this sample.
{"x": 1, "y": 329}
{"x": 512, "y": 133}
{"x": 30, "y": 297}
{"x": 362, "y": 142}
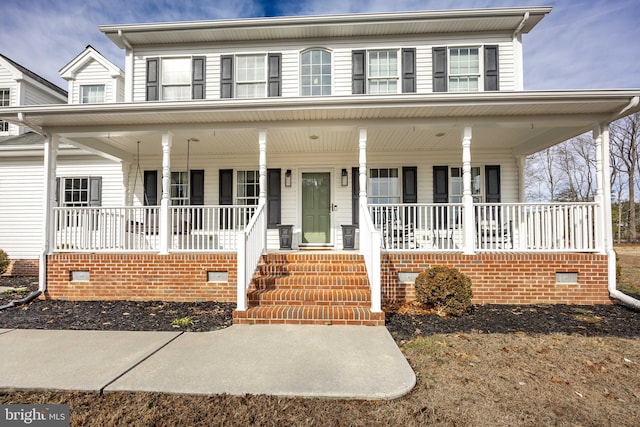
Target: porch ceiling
{"x": 524, "y": 122}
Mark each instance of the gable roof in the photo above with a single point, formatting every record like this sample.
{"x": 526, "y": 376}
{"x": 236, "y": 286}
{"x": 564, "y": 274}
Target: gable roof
{"x": 19, "y": 69}
{"x": 69, "y": 71}
{"x": 509, "y": 20}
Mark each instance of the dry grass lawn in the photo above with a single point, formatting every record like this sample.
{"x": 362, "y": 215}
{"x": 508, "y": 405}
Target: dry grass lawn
{"x": 629, "y": 259}
{"x": 463, "y": 380}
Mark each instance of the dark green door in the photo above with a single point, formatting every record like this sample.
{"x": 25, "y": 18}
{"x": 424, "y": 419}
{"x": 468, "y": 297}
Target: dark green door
{"x": 316, "y": 208}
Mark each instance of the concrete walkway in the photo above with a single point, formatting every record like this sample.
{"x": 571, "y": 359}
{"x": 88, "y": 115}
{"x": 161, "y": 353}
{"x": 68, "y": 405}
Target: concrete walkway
{"x": 350, "y": 362}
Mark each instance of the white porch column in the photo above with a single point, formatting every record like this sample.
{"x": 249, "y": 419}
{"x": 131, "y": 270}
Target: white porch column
{"x": 262, "y": 144}
{"x": 165, "y": 201}
{"x": 467, "y": 198}
{"x": 522, "y": 168}
{"x": 599, "y": 196}
{"x": 606, "y": 191}
{"x": 50, "y": 158}
{"x": 362, "y": 171}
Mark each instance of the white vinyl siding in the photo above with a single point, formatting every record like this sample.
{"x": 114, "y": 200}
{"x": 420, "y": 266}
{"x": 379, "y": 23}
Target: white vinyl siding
{"x": 93, "y": 74}
{"x": 340, "y": 49}
{"x": 21, "y": 183}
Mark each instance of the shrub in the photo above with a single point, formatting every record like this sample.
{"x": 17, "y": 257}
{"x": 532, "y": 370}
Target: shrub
{"x": 445, "y": 289}
{"x": 4, "y": 261}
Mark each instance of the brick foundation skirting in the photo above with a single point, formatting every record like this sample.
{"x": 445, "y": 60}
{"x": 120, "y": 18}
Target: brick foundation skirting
{"x": 506, "y": 278}
{"x": 142, "y": 277}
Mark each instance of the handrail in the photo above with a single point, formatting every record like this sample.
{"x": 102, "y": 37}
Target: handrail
{"x": 251, "y": 245}
{"x": 370, "y": 249}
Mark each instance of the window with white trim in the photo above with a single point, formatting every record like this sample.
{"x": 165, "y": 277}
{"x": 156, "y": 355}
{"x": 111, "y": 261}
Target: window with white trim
{"x": 457, "y": 187}
{"x": 384, "y": 185}
{"x": 176, "y": 79}
{"x": 248, "y": 187}
{"x": 4, "y": 102}
{"x": 92, "y": 94}
{"x": 251, "y": 76}
{"x": 179, "y": 188}
{"x": 315, "y": 72}
{"x": 75, "y": 192}
{"x": 382, "y": 71}
{"x": 464, "y": 69}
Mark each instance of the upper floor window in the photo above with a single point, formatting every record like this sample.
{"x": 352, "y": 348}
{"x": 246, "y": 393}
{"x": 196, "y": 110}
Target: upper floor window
{"x": 465, "y": 69}
{"x": 92, "y": 94}
{"x": 4, "y": 102}
{"x": 176, "y": 79}
{"x": 383, "y": 71}
{"x": 315, "y": 75}
{"x": 251, "y": 76}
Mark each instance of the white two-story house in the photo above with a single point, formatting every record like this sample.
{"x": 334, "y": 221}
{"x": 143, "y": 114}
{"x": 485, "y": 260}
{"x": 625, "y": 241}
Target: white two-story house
{"x": 308, "y": 168}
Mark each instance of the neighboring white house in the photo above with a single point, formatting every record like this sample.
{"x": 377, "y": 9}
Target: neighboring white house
{"x": 413, "y": 127}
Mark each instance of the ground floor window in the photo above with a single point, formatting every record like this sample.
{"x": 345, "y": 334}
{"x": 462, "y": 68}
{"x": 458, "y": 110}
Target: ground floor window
{"x": 179, "y": 188}
{"x": 457, "y": 188}
{"x": 384, "y": 185}
{"x": 248, "y": 187}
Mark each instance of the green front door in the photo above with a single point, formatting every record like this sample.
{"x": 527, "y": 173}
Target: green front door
{"x": 316, "y": 208}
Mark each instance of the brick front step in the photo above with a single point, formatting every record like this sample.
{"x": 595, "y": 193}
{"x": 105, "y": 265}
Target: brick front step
{"x": 320, "y": 288}
{"x": 310, "y": 297}
{"x": 347, "y": 281}
{"x": 307, "y": 315}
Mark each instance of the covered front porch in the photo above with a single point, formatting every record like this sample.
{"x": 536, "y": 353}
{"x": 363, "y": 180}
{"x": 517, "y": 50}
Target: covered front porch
{"x": 435, "y": 179}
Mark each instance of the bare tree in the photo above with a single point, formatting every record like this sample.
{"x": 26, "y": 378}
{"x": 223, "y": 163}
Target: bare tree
{"x": 625, "y": 138}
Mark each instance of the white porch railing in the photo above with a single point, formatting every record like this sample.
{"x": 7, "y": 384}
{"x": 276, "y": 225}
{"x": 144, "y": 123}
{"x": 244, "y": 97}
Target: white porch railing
{"x": 252, "y": 243}
{"x": 432, "y": 226}
{"x": 370, "y": 249}
{"x": 88, "y": 229}
{"x": 507, "y": 227}
{"x": 137, "y": 228}
{"x": 208, "y": 228}
{"x": 562, "y": 227}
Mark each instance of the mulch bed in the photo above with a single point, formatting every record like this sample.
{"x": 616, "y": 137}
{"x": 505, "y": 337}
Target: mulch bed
{"x": 610, "y": 320}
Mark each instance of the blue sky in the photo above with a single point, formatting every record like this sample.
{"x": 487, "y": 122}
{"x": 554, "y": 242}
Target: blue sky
{"x": 582, "y": 44}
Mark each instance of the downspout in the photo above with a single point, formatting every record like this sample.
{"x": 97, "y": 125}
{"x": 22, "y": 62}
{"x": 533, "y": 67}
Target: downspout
{"x": 614, "y": 293}
{"x": 521, "y": 25}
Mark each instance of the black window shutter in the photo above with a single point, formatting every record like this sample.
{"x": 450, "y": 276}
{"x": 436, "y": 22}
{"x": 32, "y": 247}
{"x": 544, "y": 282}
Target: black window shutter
{"x": 196, "y": 191}
{"x": 274, "y": 74}
{"x": 355, "y": 196}
{"x": 196, "y": 196}
{"x": 198, "y": 70}
{"x": 359, "y": 71}
{"x": 492, "y": 183}
{"x": 491, "y": 75}
{"x": 153, "y": 81}
{"x": 95, "y": 190}
{"x": 57, "y": 195}
{"x": 226, "y": 76}
{"x": 225, "y": 195}
{"x": 409, "y": 184}
{"x": 274, "y": 197}
{"x": 408, "y": 70}
{"x": 150, "y": 188}
{"x": 440, "y": 184}
{"x": 439, "y": 69}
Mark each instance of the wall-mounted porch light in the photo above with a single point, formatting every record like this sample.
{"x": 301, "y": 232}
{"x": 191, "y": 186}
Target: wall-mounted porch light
{"x": 345, "y": 178}
{"x": 287, "y": 178}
